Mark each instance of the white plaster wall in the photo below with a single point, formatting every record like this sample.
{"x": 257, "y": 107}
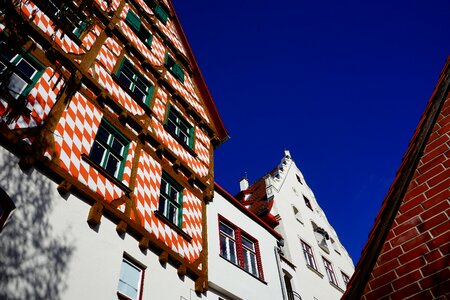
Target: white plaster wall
{"x": 48, "y": 251}
{"x": 289, "y": 191}
{"x": 228, "y": 280}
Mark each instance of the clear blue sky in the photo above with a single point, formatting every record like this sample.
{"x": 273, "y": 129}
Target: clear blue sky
{"x": 341, "y": 84}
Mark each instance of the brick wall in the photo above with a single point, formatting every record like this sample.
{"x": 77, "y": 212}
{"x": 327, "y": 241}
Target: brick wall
{"x": 415, "y": 259}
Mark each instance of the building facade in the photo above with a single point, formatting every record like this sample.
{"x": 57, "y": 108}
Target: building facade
{"x": 407, "y": 255}
{"x": 107, "y": 133}
{"x": 243, "y": 253}
{"x": 314, "y": 263}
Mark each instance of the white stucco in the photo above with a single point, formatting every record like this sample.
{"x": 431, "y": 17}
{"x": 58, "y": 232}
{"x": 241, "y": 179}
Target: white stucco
{"x": 288, "y": 193}
{"x": 48, "y": 250}
{"x": 228, "y": 280}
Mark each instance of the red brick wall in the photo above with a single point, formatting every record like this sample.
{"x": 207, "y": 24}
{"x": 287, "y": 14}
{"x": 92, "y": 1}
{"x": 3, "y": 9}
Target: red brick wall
{"x": 415, "y": 260}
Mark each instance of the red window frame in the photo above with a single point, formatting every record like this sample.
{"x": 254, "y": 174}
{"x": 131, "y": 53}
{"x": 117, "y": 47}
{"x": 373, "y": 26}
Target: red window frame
{"x": 7, "y": 206}
{"x": 141, "y": 268}
{"x": 241, "y": 249}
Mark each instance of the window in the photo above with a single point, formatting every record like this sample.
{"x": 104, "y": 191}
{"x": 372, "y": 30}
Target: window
{"x": 329, "y": 271}
{"x": 65, "y": 14}
{"x": 135, "y": 23}
{"x": 19, "y": 72}
{"x": 174, "y": 68}
{"x": 135, "y": 82}
{"x": 6, "y": 206}
{"x": 239, "y": 248}
{"x": 297, "y": 214}
{"x": 171, "y": 200}
{"x": 160, "y": 11}
{"x": 309, "y": 256}
{"x": 227, "y": 243}
{"x": 180, "y": 127}
{"x": 109, "y": 150}
{"x": 130, "y": 281}
{"x": 345, "y": 278}
{"x": 299, "y": 179}
{"x": 308, "y": 203}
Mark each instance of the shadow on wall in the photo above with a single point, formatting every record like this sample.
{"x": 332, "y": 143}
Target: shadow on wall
{"x": 33, "y": 260}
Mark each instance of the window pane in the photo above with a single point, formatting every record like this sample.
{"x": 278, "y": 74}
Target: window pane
{"x": 172, "y": 213}
{"x": 112, "y": 165}
{"x": 232, "y": 251}
{"x": 97, "y": 153}
{"x": 227, "y": 230}
{"x": 117, "y": 146}
{"x": 129, "y": 280}
{"x": 16, "y": 85}
{"x": 162, "y": 205}
{"x": 26, "y": 68}
{"x": 173, "y": 194}
{"x": 247, "y": 243}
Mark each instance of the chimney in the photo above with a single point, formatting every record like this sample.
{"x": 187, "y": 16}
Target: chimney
{"x": 243, "y": 184}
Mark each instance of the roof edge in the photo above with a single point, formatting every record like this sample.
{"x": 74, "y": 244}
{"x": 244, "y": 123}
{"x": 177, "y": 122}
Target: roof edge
{"x": 243, "y": 209}
{"x": 206, "y": 94}
{"x": 396, "y": 193}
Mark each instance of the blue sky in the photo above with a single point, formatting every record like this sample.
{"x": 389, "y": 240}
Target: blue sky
{"x": 341, "y": 84}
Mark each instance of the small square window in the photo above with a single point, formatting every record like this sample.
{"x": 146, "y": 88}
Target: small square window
{"x": 136, "y": 83}
{"x": 180, "y": 127}
{"x": 174, "y": 68}
{"x": 110, "y": 150}
{"x": 135, "y": 24}
{"x": 130, "y": 280}
{"x": 21, "y": 69}
{"x": 171, "y": 200}
{"x": 308, "y": 203}
{"x": 161, "y": 13}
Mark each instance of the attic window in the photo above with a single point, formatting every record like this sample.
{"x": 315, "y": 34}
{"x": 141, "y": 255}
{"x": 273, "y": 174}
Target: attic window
{"x": 298, "y": 217}
{"x": 308, "y": 203}
{"x": 175, "y": 68}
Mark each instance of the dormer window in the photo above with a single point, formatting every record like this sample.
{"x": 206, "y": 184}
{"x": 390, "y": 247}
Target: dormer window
{"x": 307, "y": 203}
{"x": 135, "y": 24}
{"x": 174, "y": 68}
{"x": 160, "y": 11}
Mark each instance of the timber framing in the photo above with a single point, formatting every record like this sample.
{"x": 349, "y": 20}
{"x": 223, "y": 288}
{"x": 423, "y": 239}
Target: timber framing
{"x": 75, "y": 76}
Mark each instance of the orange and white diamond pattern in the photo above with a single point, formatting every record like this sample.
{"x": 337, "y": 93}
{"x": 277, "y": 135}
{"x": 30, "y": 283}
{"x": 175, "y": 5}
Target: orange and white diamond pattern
{"x": 74, "y": 135}
{"x": 40, "y": 100}
{"x": 106, "y": 81}
{"x": 48, "y": 27}
{"x": 197, "y": 166}
{"x": 148, "y": 182}
{"x": 113, "y": 46}
{"x": 159, "y": 108}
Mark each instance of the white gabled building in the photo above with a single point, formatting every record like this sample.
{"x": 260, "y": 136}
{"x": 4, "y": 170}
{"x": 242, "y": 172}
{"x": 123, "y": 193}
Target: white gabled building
{"x": 243, "y": 259}
{"x": 315, "y": 264}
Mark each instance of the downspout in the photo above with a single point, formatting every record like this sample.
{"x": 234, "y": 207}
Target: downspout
{"x": 276, "y": 249}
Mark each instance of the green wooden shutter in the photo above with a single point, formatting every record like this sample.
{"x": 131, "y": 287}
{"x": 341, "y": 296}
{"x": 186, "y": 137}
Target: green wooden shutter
{"x": 133, "y": 20}
{"x": 162, "y": 14}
